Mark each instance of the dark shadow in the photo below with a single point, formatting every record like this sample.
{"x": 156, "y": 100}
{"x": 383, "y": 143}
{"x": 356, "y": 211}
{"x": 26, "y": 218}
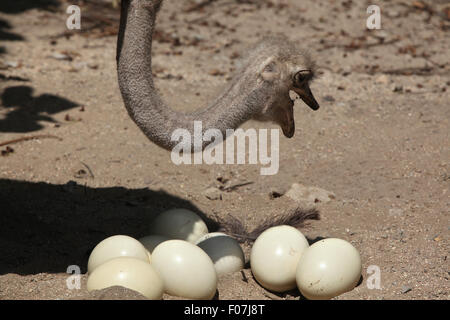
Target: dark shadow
{"x": 360, "y": 281}
{"x": 316, "y": 239}
{"x": 25, "y": 111}
{"x": 99, "y": 18}
{"x": 46, "y": 227}
{"x": 6, "y": 35}
{"x": 13, "y": 78}
{"x": 18, "y": 6}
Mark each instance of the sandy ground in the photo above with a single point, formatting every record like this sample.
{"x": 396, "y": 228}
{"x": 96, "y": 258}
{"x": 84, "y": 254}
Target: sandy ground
{"x": 380, "y": 141}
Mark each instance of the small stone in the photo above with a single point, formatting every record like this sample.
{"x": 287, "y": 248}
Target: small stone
{"x": 12, "y": 64}
{"x": 382, "y": 34}
{"x": 329, "y": 98}
{"x": 309, "y": 195}
{"x": 346, "y": 71}
{"x": 412, "y": 89}
{"x": 213, "y": 193}
{"x": 406, "y": 289}
{"x": 393, "y": 14}
{"x": 79, "y": 65}
{"x": 216, "y": 72}
{"x": 7, "y": 151}
{"x": 93, "y": 66}
{"x": 383, "y": 79}
{"x": 61, "y": 56}
{"x": 80, "y": 174}
{"x": 396, "y": 88}
{"x": 395, "y": 212}
{"x": 235, "y": 55}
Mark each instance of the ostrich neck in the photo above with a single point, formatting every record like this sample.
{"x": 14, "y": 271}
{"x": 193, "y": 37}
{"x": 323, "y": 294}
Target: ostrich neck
{"x": 235, "y": 106}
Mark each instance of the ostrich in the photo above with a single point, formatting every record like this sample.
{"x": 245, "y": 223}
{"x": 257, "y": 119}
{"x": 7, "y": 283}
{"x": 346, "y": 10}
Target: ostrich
{"x": 260, "y": 89}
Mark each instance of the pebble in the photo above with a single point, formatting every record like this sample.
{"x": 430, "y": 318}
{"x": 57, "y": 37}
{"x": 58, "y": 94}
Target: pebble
{"x": 396, "y": 88}
{"x": 93, "y": 66}
{"x": 383, "y": 79}
{"x": 61, "y": 56}
{"x": 329, "y": 98}
{"x": 412, "y": 89}
{"x": 12, "y": 64}
{"x": 79, "y": 65}
{"x": 406, "y": 289}
{"x": 393, "y": 14}
{"x": 213, "y": 193}
{"x": 395, "y": 212}
{"x": 309, "y": 195}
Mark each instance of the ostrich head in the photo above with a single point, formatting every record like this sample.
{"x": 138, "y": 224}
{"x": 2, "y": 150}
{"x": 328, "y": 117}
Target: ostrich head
{"x": 284, "y": 68}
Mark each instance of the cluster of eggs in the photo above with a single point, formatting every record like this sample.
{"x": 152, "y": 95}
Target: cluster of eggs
{"x": 179, "y": 258}
{"x": 182, "y": 259}
{"x": 281, "y": 259}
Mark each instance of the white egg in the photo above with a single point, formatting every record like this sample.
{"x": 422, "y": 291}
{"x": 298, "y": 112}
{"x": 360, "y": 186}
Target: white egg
{"x": 152, "y": 241}
{"x": 130, "y": 273}
{"x": 114, "y": 247}
{"x": 187, "y": 271}
{"x": 224, "y": 251}
{"x": 179, "y": 224}
{"x": 328, "y": 268}
{"x": 275, "y": 255}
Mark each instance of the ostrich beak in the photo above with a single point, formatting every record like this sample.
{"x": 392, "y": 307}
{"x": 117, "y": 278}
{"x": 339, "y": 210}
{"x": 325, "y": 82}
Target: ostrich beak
{"x": 307, "y": 97}
{"x": 287, "y": 123}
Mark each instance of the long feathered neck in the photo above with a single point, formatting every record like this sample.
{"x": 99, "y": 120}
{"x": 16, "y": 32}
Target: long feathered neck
{"x": 236, "y": 105}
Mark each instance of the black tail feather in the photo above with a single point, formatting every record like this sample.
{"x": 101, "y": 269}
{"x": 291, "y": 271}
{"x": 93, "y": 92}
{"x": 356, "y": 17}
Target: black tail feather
{"x": 295, "y": 217}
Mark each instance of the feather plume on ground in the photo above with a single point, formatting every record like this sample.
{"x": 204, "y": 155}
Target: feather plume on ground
{"x": 296, "y": 217}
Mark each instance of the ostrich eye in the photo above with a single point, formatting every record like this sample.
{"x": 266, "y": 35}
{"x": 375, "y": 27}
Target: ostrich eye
{"x": 301, "y": 77}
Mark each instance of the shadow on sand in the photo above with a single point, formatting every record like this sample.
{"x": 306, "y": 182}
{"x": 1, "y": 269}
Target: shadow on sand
{"x": 46, "y": 227}
{"x": 24, "y": 111}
